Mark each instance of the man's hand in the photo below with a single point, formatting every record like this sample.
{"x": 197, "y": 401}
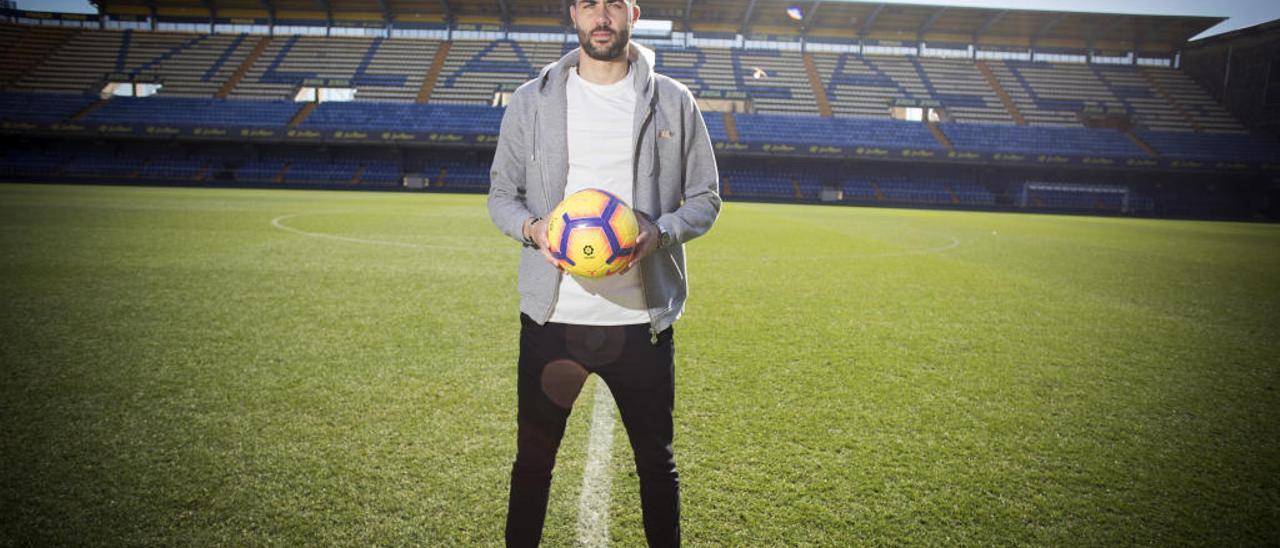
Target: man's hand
{"x": 537, "y": 233}
{"x": 646, "y": 242}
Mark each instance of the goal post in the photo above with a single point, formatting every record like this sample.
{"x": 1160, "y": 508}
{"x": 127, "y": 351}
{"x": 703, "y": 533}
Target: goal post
{"x": 1093, "y": 197}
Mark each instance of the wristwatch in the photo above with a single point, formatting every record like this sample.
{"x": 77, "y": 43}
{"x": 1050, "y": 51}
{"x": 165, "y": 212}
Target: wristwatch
{"x": 529, "y": 242}
{"x": 664, "y": 238}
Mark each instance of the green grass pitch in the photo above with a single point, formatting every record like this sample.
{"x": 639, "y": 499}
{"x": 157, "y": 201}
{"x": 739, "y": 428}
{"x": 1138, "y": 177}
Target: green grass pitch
{"x": 246, "y": 367}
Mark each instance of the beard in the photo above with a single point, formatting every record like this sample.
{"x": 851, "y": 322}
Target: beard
{"x": 607, "y": 52}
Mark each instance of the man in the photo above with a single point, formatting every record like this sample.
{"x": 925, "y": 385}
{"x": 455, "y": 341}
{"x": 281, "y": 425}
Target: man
{"x": 600, "y": 118}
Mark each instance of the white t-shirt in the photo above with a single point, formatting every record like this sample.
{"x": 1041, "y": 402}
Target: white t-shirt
{"x": 600, "y": 156}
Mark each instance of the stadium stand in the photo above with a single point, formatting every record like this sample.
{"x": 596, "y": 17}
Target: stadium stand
{"x": 468, "y": 119}
{"x": 833, "y": 105}
{"x": 475, "y": 70}
{"x": 183, "y": 111}
{"x": 755, "y": 184}
{"x": 775, "y": 80}
{"x": 1238, "y": 147}
{"x": 380, "y": 69}
{"x": 194, "y": 169}
{"x": 26, "y": 47}
{"x": 1040, "y": 140}
{"x": 857, "y": 87}
{"x": 42, "y": 107}
{"x": 1228, "y": 65}
{"x": 766, "y": 128}
{"x": 715, "y": 126}
{"x": 382, "y": 173}
{"x": 961, "y": 88}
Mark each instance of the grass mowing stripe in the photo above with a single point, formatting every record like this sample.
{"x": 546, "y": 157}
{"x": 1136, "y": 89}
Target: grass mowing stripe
{"x": 597, "y": 476}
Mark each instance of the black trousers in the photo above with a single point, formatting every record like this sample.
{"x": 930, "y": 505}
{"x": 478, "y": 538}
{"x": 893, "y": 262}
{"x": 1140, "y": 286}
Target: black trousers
{"x": 555, "y": 360}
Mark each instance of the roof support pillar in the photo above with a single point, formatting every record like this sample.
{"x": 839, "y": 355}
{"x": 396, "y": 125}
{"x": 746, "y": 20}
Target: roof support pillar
{"x": 870, "y": 21}
{"x": 986, "y": 25}
{"x": 271, "y": 16}
{"x": 328, "y": 16}
{"x": 808, "y": 16}
{"x": 386, "y": 16}
{"x": 506, "y": 16}
{"x": 746, "y": 19}
{"x": 924, "y": 27}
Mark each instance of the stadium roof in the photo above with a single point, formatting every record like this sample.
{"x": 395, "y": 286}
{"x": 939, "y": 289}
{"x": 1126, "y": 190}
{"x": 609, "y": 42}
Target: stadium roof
{"x": 1262, "y": 32}
{"x": 835, "y": 19}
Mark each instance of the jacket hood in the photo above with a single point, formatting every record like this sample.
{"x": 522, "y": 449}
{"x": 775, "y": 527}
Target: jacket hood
{"x": 642, "y": 61}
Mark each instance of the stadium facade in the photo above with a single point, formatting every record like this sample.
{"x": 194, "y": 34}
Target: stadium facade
{"x": 831, "y": 102}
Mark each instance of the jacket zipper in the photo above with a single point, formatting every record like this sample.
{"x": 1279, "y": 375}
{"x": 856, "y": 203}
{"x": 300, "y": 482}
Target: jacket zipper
{"x": 546, "y": 200}
{"x": 635, "y": 181}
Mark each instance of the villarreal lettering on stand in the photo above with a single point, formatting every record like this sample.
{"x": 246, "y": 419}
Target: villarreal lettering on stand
{"x": 350, "y": 135}
{"x": 398, "y": 136}
{"x": 303, "y": 134}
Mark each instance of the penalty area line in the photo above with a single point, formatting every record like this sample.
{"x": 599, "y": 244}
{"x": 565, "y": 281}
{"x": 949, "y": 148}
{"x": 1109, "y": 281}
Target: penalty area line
{"x": 597, "y": 475}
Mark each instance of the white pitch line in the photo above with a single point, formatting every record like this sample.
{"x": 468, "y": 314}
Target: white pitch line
{"x": 597, "y": 475}
{"x": 278, "y": 222}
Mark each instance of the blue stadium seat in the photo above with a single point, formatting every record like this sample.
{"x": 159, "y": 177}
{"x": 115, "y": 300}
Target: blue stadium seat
{"x": 42, "y": 107}
{"x": 1210, "y": 147}
{"x": 1040, "y": 140}
{"x": 185, "y": 111}
{"x": 765, "y": 128}
{"x": 466, "y": 119}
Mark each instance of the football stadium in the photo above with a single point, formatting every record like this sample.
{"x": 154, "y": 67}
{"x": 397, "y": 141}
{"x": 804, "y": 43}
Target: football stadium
{"x": 982, "y": 276}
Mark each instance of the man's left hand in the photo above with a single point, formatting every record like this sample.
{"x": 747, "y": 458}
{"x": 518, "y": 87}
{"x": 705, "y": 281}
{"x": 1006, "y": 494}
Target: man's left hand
{"x": 646, "y": 242}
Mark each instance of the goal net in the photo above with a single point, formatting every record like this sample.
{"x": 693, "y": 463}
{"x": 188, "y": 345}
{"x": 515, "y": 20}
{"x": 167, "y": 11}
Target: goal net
{"x": 1083, "y": 197}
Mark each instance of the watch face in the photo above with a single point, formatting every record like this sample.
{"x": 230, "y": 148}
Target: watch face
{"x": 664, "y": 240}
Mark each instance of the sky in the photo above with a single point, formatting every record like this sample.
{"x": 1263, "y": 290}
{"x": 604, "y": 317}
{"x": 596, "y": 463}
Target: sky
{"x": 1241, "y": 13}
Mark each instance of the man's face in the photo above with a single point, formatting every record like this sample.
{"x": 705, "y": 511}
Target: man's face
{"x": 604, "y": 26}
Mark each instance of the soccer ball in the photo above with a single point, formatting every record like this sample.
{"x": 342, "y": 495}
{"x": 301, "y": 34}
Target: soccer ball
{"x": 592, "y": 233}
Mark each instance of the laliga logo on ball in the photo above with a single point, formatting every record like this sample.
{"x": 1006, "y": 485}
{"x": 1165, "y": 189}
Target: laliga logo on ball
{"x": 592, "y": 234}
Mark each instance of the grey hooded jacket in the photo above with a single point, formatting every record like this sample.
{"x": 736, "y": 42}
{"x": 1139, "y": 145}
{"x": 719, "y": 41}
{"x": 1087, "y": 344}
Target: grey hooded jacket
{"x": 676, "y": 182}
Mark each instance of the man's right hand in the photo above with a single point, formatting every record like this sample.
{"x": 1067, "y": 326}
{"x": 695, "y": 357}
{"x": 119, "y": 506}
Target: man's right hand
{"x": 537, "y": 232}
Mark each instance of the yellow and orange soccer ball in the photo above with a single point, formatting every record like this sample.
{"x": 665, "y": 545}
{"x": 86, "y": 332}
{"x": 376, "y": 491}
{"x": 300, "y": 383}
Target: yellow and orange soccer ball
{"x": 592, "y": 234}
